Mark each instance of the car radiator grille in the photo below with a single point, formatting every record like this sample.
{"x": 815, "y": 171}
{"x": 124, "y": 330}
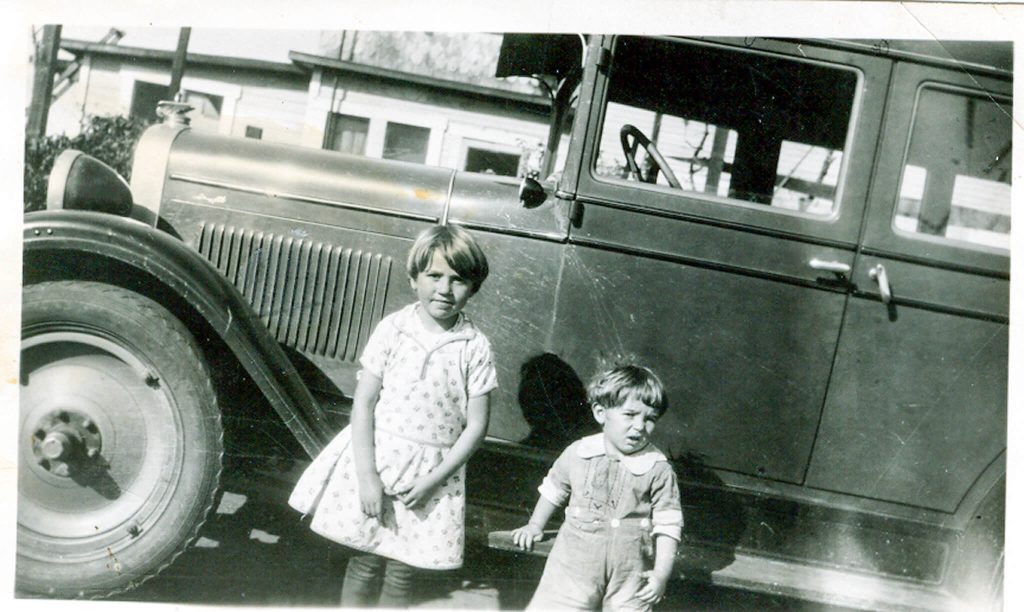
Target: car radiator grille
{"x": 314, "y": 297}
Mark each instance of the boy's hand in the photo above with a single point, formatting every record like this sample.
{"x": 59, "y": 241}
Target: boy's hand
{"x": 653, "y": 589}
{"x": 371, "y": 495}
{"x": 525, "y": 536}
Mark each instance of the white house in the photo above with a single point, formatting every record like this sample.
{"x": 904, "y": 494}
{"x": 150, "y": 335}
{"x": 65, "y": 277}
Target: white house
{"x": 422, "y": 97}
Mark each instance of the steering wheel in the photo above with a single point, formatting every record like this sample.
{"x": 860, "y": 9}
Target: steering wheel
{"x": 629, "y": 148}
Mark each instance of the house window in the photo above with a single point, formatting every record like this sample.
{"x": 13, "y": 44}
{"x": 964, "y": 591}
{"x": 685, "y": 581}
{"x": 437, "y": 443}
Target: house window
{"x": 346, "y": 133}
{"x": 492, "y": 162}
{"x": 145, "y": 96}
{"x": 253, "y": 132}
{"x": 206, "y": 106}
{"x": 956, "y": 177}
{"x": 406, "y": 142}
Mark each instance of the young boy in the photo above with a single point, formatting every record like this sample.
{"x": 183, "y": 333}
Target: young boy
{"x": 623, "y": 504}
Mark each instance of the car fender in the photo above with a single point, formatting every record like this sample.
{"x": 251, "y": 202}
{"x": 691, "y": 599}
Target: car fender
{"x": 165, "y": 260}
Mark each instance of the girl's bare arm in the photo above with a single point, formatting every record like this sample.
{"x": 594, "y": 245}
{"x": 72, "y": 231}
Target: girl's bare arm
{"x": 361, "y": 422}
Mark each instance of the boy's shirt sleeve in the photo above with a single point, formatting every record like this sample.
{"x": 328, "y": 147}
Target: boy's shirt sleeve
{"x": 481, "y": 375}
{"x": 556, "y": 486}
{"x": 666, "y": 508}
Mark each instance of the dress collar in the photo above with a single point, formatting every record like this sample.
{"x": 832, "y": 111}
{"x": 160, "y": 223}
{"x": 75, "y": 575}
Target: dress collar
{"x": 638, "y": 463}
{"x": 408, "y": 322}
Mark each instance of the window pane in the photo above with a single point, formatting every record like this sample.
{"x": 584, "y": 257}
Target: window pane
{"x": 144, "y": 99}
{"x": 492, "y": 162}
{"x": 205, "y": 105}
{"x": 406, "y": 142}
{"x": 347, "y": 133}
{"x": 737, "y": 126}
{"x": 956, "y": 177}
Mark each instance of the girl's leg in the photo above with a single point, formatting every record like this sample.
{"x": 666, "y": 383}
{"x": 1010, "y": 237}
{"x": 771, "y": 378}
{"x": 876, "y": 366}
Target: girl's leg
{"x": 398, "y": 582}
{"x": 362, "y": 585}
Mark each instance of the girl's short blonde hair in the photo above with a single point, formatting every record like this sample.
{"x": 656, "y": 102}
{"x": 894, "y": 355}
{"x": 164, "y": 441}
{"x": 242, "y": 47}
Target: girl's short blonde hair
{"x": 457, "y": 246}
{"x": 612, "y": 387}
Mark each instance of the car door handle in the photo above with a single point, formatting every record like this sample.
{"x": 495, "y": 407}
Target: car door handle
{"x": 830, "y": 266}
{"x": 879, "y": 276}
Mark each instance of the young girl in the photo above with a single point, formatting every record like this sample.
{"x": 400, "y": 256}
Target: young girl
{"x": 391, "y": 485}
{"x": 623, "y": 504}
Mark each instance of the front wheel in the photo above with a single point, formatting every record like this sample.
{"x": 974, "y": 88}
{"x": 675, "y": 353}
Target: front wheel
{"x": 120, "y": 440}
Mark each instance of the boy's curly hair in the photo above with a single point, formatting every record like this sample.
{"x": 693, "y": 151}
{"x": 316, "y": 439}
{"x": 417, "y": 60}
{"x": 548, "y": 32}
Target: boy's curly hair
{"x": 612, "y": 387}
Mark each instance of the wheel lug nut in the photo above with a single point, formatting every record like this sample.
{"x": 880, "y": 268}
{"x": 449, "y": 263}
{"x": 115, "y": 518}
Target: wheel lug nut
{"x": 55, "y": 445}
{"x": 87, "y": 423}
{"x": 92, "y": 452}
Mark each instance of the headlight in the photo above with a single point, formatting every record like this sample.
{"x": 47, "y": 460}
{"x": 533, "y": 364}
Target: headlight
{"x": 81, "y": 182}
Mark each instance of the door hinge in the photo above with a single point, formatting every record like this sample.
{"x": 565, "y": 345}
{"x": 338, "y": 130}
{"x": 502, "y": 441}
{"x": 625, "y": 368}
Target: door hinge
{"x": 575, "y": 213}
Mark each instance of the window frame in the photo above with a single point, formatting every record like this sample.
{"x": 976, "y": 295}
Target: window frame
{"x": 426, "y": 143}
{"x": 491, "y": 147}
{"x": 842, "y": 227}
{"x": 942, "y": 88}
{"x": 331, "y": 127}
{"x": 881, "y": 238}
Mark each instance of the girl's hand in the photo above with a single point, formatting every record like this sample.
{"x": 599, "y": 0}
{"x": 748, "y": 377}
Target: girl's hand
{"x": 525, "y": 536}
{"x": 417, "y": 493}
{"x": 653, "y": 589}
{"x": 371, "y": 495}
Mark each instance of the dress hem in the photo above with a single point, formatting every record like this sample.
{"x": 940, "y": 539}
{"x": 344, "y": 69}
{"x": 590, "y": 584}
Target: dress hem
{"x": 374, "y": 552}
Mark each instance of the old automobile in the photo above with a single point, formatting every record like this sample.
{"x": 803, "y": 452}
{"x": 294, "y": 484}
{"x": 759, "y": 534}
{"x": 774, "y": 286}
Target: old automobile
{"x": 808, "y": 240}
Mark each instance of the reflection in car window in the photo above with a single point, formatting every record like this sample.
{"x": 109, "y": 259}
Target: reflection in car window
{"x": 956, "y": 177}
{"x": 740, "y": 126}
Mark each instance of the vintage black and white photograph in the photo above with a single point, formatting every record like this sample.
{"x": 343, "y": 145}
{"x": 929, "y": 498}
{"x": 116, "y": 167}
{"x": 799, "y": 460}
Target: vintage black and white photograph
{"x": 694, "y": 309}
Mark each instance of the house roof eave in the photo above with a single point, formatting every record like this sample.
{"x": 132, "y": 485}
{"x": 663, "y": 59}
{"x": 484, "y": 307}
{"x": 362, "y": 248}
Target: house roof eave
{"x": 80, "y": 48}
{"x": 311, "y": 62}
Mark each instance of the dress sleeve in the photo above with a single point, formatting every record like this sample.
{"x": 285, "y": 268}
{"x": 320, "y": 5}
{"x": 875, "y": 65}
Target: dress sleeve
{"x": 481, "y": 377}
{"x": 556, "y": 486}
{"x": 378, "y": 348}
{"x": 666, "y": 509}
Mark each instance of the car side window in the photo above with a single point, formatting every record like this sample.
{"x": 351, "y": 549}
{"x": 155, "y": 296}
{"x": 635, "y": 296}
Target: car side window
{"x": 955, "y": 184}
{"x": 734, "y": 125}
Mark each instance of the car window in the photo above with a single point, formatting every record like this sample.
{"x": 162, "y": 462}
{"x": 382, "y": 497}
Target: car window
{"x": 741, "y": 127}
{"x": 955, "y": 185}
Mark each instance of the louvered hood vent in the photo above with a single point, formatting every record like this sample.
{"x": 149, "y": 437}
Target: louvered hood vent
{"x": 314, "y": 297}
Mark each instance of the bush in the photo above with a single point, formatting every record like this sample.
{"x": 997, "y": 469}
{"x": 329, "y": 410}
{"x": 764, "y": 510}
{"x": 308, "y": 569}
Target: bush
{"x": 110, "y": 139}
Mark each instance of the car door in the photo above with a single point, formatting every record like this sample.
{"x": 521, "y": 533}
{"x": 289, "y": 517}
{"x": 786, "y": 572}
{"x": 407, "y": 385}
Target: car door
{"x": 731, "y": 286}
{"x": 916, "y": 412}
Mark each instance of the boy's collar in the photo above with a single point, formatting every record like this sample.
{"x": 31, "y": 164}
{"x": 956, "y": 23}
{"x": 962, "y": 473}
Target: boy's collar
{"x": 638, "y": 463}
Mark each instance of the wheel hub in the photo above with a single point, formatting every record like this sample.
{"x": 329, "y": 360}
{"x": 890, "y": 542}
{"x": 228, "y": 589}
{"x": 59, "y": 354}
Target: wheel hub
{"x": 65, "y": 441}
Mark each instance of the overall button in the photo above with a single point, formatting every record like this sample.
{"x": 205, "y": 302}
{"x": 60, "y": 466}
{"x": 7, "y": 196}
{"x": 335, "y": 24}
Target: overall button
{"x": 615, "y": 523}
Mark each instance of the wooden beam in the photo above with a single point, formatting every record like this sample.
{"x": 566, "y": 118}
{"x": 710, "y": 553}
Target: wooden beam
{"x": 178, "y": 64}
{"x": 42, "y": 86}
